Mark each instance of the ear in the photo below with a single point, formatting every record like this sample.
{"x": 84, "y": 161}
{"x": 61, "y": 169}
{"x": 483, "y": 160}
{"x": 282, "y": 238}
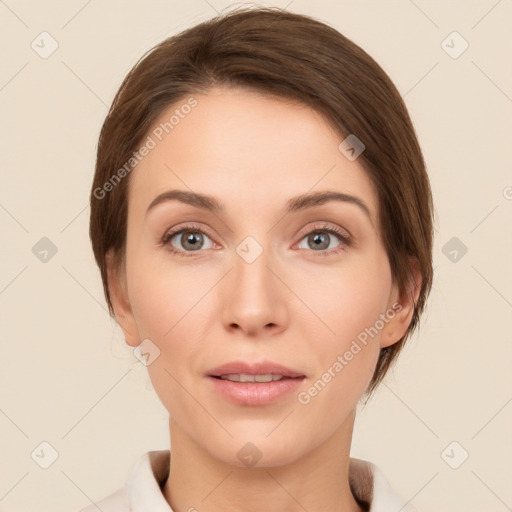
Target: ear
{"x": 403, "y": 307}
{"x": 118, "y": 290}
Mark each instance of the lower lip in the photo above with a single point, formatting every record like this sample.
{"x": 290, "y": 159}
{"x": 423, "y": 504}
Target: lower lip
{"x": 255, "y": 393}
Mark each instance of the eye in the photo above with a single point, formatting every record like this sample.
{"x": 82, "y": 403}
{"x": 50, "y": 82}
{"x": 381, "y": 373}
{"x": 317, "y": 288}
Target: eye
{"x": 320, "y": 238}
{"x": 188, "y": 239}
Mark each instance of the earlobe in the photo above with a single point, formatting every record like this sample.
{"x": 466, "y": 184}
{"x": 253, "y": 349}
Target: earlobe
{"x": 403, "y": 306}
{"x": 118, "y": 291}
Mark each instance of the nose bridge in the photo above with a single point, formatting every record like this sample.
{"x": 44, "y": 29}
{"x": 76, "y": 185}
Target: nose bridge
{"x": 252, "y": 260}
{"x": 252, "y": 296}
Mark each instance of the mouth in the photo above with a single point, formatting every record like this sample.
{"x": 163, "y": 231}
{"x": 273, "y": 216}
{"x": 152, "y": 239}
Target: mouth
{"x": 246, "y": 377}
{"x": 242, "y": 371}
{"x": 254, "y": 384}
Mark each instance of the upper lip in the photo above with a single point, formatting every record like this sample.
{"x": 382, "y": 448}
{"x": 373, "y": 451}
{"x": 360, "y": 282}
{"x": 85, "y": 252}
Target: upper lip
{"x": 262, "y": 368}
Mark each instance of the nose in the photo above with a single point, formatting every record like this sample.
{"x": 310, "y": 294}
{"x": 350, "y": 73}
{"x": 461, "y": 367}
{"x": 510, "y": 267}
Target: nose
{"x": 254, "y": 297}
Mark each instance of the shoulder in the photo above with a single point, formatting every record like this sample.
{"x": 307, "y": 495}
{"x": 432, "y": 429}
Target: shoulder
{"x": 372, "y": 489}
{"x": 142, "y": 491}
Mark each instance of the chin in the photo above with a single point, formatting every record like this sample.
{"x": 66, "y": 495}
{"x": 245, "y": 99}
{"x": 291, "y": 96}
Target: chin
{"x": 257, "y": 451}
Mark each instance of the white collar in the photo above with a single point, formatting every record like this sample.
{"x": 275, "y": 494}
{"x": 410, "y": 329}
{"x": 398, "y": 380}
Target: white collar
{"x": 367, "y": 481}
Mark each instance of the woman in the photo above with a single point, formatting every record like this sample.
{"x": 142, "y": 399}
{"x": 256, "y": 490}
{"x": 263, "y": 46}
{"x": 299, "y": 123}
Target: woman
{"x": 262, "y": 220}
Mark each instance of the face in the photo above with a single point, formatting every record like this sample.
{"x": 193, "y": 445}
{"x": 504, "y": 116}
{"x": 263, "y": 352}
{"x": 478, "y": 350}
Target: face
{"x": 263, "y": 278}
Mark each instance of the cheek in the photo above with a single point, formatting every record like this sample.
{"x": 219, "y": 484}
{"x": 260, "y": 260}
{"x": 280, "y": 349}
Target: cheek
{"x": 163, "y": 296}
{"x": 167, "y": 304}
{"x": 346, "y": 300}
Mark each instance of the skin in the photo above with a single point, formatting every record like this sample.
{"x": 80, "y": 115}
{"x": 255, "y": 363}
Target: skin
{"x": 290, "y": 305}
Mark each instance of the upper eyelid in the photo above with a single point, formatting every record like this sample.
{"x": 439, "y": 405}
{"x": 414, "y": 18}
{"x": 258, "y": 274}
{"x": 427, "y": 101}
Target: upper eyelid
{"x": 326, "y": 226}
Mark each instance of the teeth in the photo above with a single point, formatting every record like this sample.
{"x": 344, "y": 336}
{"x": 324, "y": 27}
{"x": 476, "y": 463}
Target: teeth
{"x": 245, "y": 377}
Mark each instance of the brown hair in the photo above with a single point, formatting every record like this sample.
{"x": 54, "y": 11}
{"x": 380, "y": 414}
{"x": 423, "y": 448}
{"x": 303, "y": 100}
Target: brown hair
{"x": 289, "y": 56}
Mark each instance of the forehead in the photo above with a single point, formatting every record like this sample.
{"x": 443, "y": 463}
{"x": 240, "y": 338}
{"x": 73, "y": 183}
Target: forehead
{"x": 245, "y": 148}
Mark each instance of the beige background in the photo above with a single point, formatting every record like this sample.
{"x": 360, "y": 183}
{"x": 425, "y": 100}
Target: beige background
{"x": 66, "y": 376}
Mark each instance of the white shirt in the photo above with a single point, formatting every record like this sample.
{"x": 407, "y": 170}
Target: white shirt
{"x": 143, "y": 491}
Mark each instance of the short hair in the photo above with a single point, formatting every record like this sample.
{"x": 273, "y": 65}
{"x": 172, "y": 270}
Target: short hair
{"x": 288, "y": 56}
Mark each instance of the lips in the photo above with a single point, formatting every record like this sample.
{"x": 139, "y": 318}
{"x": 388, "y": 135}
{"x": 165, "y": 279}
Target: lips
{"x": 254, "y": 384}
{"x": 262, "y": 368}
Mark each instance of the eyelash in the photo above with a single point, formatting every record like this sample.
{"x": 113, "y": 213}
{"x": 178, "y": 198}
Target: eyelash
{"x": 346, "y": 240}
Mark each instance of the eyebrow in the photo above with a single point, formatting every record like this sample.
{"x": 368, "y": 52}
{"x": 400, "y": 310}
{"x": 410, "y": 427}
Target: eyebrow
{"x": 295, "y": 204}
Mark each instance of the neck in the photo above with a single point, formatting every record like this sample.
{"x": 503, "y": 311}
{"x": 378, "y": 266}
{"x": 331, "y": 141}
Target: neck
{"x": 317, "y": 481}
